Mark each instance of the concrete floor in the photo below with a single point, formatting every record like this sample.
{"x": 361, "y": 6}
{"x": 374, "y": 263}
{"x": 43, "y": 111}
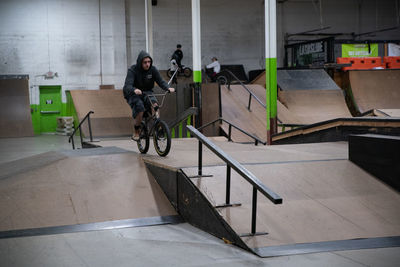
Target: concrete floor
{"x": 165, "y": 245}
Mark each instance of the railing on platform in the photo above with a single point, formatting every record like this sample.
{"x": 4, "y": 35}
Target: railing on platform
{"x": 247, "y": 175}
{"x": 71, "y": 137}
{"x": 184, "y": 117}
{"x": 187, "y": 113}
{"x": 220, "y": 119}
{"x": 251, "y": 94}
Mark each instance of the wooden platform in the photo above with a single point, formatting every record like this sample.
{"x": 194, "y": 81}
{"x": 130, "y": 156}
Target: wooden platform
{"x": 78, "y": 187}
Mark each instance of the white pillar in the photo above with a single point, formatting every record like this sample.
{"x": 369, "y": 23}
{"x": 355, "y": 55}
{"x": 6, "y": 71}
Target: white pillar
{"x": 196, "y": 41}
{"x": 266, "y": 20}
{"x": 149, "y": 26}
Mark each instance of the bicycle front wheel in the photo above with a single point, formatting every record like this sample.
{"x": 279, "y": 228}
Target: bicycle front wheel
{"x": 162, "y": 138}
{"x": 144, "y": 141}
{"x": 170, "y": 73}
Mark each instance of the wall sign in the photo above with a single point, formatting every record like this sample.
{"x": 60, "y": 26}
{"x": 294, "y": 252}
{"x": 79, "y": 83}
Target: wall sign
{"x": 359, "y": 50}
{"x": 315, "y": 53}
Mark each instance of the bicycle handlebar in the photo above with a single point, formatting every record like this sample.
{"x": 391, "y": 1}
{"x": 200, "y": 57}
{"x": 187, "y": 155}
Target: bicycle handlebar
{"x": 156, "y": 95}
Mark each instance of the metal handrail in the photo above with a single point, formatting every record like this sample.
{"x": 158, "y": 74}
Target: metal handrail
{"x": 247, "y": 175}
{"x": 71, "y": 137}
{"x": 183, "y": 116}
{"x": 245, "y": 87}
{"x": 256, "y": 139}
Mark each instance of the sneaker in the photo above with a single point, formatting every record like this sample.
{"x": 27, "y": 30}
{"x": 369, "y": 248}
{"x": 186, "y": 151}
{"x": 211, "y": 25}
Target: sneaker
{"x": 136, "y": 136}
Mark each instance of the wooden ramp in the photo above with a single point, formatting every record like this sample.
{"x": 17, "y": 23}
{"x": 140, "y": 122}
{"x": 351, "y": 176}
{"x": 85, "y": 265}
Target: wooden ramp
{"x": 305, "y": 97}
{"x": 260, "y": 80}
{"x": 338, "y": 130}
{"x": 15, "y": 114}
{"x": 312, "y": 106}
{"x": 311, "y": 96}
{"x": 374, "y": 89}
{"x": 295, "y": 107}
{"x": 234, "y": 109}
{"x": 112, "y": 115}
{"x": 328, "y": 202}
{"x": 322, "y": 201}
{"x": 382, "y": 113}
{"x": 76, "y": 188}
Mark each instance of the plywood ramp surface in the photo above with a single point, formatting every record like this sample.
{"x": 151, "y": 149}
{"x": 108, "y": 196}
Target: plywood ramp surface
{"x": 322, "y": 201}
{"x": 376, "y": 89}
{"x": 210, "y": 110}
{"x": 78, "y": 190}
{"x": 325, "y": 196}
{"x": 260, "y": 80}
{"x": 15, "y": 115}
{"x": 112, "y": 115}
{"x": 234, "y": 109}
{"x": 293, "y": 107}
{"x": 391, "y": 112}
{"x": 284, "y": 114}
{"x": 306, "y": 79}
{"x": 312, "y": 106}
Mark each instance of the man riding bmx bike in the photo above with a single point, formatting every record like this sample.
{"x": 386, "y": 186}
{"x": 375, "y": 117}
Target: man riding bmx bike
{"x": 140, "y": 80}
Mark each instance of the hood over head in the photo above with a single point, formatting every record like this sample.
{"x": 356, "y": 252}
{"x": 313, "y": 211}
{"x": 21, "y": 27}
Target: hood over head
{"x": 141, "y": 56}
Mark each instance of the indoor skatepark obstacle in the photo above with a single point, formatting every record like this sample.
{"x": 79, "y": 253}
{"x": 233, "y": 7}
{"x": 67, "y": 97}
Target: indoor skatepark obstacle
{"x": 330, "y": 203}
{"x": 15, "y": 118}
{"x": 368, "y": 90}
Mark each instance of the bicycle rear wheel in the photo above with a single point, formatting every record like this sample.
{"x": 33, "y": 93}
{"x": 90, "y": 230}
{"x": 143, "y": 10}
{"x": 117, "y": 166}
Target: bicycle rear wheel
{"x": 187, "y": 72}
{"x": 162, "y": 138}
{"x": 144, "y": 141}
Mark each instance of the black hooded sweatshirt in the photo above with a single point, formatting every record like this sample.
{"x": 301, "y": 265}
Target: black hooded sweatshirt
{"x": 141, "y": 79}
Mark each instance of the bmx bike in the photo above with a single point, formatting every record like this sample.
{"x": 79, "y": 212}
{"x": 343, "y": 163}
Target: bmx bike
{"x": 185, "y": 71}
{"x": 219, "y": 77}
{"x": 153, "y": 126}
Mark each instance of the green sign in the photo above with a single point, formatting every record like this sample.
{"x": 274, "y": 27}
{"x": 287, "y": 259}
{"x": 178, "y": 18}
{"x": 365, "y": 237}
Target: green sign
{"x": 359, "y": 50}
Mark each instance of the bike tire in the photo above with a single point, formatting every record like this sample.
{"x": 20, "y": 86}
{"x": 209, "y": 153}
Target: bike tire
{"x": 222, "y": 80}
{"x": 144, "y": 140}
{"x": 187, "y": 72}
{"x": 162, "y": 138}
{"x": 170, "y": 73}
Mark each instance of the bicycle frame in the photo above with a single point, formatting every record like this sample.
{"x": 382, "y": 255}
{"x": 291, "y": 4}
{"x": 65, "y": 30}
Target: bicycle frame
{"x": 152, "y": 125}
{"x": 153, "y": 116}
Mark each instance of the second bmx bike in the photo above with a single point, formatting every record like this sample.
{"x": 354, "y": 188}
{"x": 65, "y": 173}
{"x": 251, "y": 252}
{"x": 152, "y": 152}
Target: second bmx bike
{"x": 185, "y": 71}
{"x": 153, "y": 126}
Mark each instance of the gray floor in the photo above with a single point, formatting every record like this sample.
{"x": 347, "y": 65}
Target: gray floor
{"x": 166, "y": 245}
